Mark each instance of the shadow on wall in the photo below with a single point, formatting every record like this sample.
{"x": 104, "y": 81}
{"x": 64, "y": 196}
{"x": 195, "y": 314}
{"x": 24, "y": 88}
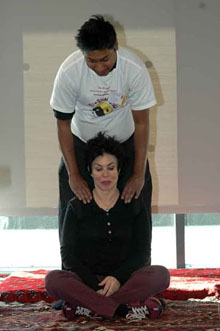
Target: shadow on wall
{"x": 5, "y": 176}
{"x": 158, "y": 93}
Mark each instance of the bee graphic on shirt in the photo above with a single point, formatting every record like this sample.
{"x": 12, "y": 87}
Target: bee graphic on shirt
{"x": 103, "y": 108}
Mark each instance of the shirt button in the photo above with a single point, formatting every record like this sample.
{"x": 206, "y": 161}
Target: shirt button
{"x": 107, "y": 214}
{"x": 109, "y": 232}
{"x": 108, "y": 223}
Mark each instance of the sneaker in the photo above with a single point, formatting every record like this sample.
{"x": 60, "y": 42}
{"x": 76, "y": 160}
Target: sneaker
{"x": 151, "y": 308}
{"x": 71, "y": 312}
{"x": 138, "y": 313}
{"x": 162, "y": 301}
{"x": 155, "y": 306}
{"x": 57, "y": 305}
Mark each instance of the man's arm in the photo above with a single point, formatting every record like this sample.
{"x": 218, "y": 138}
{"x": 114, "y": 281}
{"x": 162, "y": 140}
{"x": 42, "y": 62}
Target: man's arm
{"x": 135, "y": 183}
{"x": 77, "y": 184}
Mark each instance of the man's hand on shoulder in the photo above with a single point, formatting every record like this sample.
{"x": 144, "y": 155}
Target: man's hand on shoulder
{"x": 80, "y": 187}
{"x": 132, "y": 188}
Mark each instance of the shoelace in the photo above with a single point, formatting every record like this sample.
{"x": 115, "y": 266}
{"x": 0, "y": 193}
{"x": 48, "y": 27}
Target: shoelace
{"x": 82, "y": 311}
{"x": 138, "y": 313}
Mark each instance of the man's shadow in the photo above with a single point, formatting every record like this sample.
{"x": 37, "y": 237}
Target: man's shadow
{"x": 122, "y": 40}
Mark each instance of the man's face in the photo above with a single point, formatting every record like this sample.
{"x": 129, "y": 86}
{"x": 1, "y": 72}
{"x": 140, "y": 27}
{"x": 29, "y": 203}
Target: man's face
{"x": 101, "y": 61}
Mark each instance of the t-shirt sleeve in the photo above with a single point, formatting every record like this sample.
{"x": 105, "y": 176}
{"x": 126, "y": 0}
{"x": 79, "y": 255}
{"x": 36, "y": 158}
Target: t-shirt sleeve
{"x": 141, "y": 95}
{"x": 68, "y": 250}
{"x": 62, "y": 116}
{"x": 64, "y": 94}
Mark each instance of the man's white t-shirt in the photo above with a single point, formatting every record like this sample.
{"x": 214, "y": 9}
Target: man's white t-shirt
{"x": 102, "y": 103}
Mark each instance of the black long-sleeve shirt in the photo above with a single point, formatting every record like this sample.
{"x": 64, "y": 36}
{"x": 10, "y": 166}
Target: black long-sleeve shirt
{"x": 113, "y": 243}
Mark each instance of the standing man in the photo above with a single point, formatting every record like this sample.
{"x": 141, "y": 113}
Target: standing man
{"x": 102, "y": 87}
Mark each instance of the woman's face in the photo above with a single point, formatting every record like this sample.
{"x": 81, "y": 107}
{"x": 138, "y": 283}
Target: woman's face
{"x": 105, "y": 172}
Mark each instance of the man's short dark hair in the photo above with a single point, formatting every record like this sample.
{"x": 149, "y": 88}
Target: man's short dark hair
{"x": 101, "y": 144}
{"x": 96, "y": 34}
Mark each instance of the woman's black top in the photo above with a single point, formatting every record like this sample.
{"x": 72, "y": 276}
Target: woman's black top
{"x": 113, "y": 243}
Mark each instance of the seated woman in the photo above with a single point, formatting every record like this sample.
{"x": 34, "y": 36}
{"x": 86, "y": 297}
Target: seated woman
{"x": 105, "y": 246}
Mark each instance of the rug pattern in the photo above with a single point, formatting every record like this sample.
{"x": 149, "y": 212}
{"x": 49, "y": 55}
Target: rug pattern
{"x": 191, "y": 315}
{"x": 185, "y": 284}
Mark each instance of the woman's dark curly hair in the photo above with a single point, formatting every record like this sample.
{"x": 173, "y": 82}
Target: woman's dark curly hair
{"x": 101, "y": 144}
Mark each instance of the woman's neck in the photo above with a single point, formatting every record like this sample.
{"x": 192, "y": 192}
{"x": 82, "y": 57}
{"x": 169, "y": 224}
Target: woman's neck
{"x": 105, "y": 199}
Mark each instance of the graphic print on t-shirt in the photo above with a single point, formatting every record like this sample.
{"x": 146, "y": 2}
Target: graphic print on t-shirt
{"x": 107, "y": 102}
{"x": 102, "y": 108}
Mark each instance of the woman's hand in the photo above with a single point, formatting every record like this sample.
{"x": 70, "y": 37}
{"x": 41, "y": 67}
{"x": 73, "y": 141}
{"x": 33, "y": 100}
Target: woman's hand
{"x": 111, "y": 285}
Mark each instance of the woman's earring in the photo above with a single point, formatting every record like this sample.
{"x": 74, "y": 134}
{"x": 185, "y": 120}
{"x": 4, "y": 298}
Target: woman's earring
{"x": 89, "y": 172}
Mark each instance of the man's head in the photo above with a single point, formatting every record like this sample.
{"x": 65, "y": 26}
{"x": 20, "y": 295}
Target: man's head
{"x": 97, "y": 40}
{"x": 96, "y": 34}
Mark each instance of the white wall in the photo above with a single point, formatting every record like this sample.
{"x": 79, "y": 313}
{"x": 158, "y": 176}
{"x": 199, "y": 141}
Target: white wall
{"x": 198, "y": 95}
{"x": 12, "y": 155}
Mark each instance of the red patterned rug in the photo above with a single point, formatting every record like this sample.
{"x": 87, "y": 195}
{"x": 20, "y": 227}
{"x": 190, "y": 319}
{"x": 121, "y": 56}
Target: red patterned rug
{"x": 185, "y": 284}
{"x": 189, "y": 315}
